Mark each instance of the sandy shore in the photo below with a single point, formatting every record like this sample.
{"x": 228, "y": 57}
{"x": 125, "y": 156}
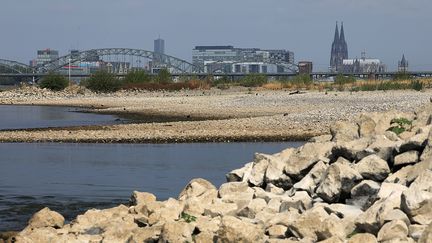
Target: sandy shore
{"x": 210, "y": 115}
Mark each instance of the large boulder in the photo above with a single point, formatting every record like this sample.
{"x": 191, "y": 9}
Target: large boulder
{"x": 338, "y": 180}
{"x": 423, "y": 182}
{"x": 233, "y": 229}
{"x": 300, "y": 201}
{"x": 417, "y": 205}
{"x": 317, "y": 225}
{"x": 409, "y": 157}
{"x": 311, "y": 180}
{"x": 364, "y": 194}
{"x": 344, "y": 131}
{"x": 261, "y": 162}
{"x": 275, "y": 175}
{"x": 176, "y": 232}
{"x": 352, "y": 150}
{"x": 255, "y": 206}
{"x": 219, "y": 208}
{"x": 372, "y": 219}
{"x": 241, "y": 174}
{"x": 236, "y": 192}
{"x": 373, "y": 167}
{"x": 199, "y": 189}
{"x": 140, "y": 198}
{"x": 426, "y": 235}
{"x": 363, "y": 238}
{"x": 366, "y": 126}
{"x": 301, "y": 162}
{"x": 394, "y": 230}
{"x": 46, "y": 218}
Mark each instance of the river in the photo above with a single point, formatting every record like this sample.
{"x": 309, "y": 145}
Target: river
{"x": 71, "y": 178}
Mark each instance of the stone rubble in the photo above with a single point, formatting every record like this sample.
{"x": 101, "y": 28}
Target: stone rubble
{"x": 363, "y": 184}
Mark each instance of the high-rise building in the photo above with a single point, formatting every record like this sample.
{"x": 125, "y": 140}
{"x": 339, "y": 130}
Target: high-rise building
{"x": 339, "y": 50}
{"x": 159, "y": 46}
{"x": 46, "y": 56}
{"x": 403, "y": 65}
{"x": 228, "y": 59}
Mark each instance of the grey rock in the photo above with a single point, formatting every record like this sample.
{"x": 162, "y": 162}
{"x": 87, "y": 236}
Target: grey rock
{"x": 312, "y": 179}
{"x": 373, "y": 167}
{"x": 338, "y": 178}
{"x": 394, "y": 230}
{"x": 344, "y": 131}
{"x": 409, "y": 157}
{"x": 417, "y": 205}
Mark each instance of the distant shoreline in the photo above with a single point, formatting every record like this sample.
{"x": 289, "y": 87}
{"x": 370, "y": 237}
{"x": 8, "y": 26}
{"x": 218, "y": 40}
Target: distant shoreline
{"x": 235, "y": 115}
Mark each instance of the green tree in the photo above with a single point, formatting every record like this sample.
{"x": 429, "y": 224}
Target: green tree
{"x": 103, "y": 81}
{"x": 136, "y": 77}
{"x": 164, "y": 76}
{"x": 254, "y": 80}
{"x": 54, "y": 81}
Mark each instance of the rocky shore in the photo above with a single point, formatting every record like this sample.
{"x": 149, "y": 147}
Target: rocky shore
{"x": 212, "y": 115}
{"x": 369, "y": 181}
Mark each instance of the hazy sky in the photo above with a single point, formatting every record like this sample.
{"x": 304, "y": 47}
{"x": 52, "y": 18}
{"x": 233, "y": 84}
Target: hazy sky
{"x": 384, "y": 28}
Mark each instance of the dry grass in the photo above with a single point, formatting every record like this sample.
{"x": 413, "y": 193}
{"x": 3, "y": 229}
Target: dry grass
{"x": 357, "y": 85}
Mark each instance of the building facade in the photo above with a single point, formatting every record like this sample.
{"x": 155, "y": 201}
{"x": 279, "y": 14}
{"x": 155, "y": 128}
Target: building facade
{"x": 339, "y": 50}
{"x": 46, "y": 56}
{"x": 403, "y": 65}
{"x": 159, "y": 46}
{"x": 228, "y": 59}
{"x": 363, "y": 65}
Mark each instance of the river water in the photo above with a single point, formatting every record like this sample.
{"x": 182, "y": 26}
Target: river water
{"x": 21, "y": 117}
{"x": 71, "y": 178}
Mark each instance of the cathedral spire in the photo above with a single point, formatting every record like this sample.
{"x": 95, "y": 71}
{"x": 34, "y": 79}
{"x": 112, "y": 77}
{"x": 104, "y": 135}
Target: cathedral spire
{"x": 336, "y": 36}
{"x": 342, "y": 34}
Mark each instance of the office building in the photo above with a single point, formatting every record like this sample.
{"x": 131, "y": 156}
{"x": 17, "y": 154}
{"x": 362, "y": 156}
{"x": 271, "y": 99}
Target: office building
{"x": 46, "y": 56}
{"x": 228, "y": 59}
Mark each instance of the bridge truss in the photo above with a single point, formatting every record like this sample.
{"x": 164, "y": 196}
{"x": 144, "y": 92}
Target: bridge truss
{"x": 119, "y": 56}
{"x": 15, "y": 67}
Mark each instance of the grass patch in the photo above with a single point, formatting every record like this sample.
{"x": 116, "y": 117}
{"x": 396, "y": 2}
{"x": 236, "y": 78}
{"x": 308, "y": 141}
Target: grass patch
{"x": 187, "y": 217}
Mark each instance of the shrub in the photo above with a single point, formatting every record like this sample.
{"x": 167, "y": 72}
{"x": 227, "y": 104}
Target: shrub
{"x": 54, "y": 82}
{"x": 253, "y": 80}
{"x": 102, "y": 81}
{"x": 342, "y": 80}
{"x": 164, "y": 77}
{"x": 402, "y": 76}
{"x": 302, "y": 79}
{"x": 136, "y": 77}
{"x": 400, "y": 125}
{"x": 416, "y": 85}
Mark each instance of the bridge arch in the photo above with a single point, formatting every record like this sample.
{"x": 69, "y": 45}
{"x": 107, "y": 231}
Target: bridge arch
{"x": 177, "y": 64}
{"x": 15, "y": 66}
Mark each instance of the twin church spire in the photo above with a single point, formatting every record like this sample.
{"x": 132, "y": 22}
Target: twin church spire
{"x": 339, "y": 50}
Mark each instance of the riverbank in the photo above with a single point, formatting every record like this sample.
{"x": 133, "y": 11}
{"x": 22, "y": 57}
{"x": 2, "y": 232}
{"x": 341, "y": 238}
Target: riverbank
{"x": 368, "y": 182}
{"x": 237, "y": 114}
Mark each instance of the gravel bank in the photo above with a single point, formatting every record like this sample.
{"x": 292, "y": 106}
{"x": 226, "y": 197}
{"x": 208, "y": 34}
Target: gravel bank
{"x": 211, "y": 115}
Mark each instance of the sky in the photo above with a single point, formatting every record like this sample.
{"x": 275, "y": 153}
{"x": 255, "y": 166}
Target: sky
{"x": 385, "y": 29}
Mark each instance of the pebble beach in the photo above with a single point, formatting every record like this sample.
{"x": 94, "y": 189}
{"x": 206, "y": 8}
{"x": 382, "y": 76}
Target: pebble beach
{"x": 236, "y": 114}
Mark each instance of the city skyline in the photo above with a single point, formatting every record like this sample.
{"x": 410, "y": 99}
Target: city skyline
{"x": 385, "y": 29}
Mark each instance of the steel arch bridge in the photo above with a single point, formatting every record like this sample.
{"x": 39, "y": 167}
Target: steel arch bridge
{"x": 179, "y": 65}
{"x": 15, "y": 66}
